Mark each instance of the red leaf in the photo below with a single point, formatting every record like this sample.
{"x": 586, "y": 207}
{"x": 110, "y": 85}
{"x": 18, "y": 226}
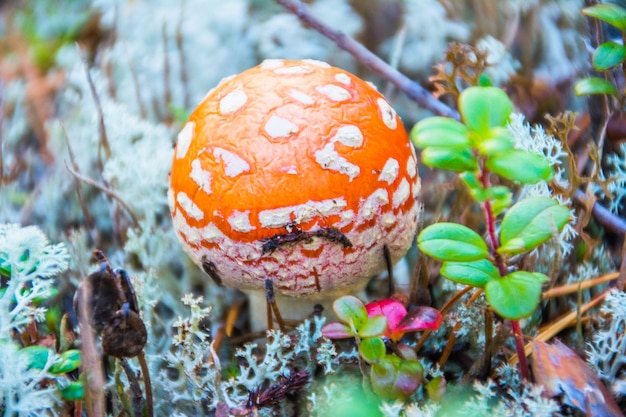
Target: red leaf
{"x": 392, "y": 309}
{"x": 399, "y": 321}
{"x": 419, "y": 318}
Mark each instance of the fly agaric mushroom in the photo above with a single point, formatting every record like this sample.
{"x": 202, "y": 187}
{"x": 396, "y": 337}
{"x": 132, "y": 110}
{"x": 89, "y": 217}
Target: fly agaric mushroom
{"x": 295, "y": 171}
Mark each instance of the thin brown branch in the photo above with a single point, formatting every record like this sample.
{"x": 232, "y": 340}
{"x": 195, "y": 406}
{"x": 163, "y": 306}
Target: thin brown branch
{"x": 572, "y": 288}
{"x": 104, "y": 140}
{"x": 91, "y": 358}
{"x": 391, "y": 285}
{"x": 412, "y": 89}
{"x": 135, "y": 388}
{"x": 133, "y": 74}
{"x": 621, "y": 281}
{"x": 147, "y": 382}
{"x": 167, "y": 91}
{"x": 607, "y": 219}
{"x": 184, "y": 78}
{"x": 89, "y": 221}
{"x": 105, "y": 190}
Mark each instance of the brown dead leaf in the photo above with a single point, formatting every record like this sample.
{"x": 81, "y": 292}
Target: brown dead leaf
{"x": 562, "y": 372}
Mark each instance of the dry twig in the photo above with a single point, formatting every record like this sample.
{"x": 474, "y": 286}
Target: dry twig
{"x": 105, "y": 190}
{"x": 412, "y": 89}
{"x": 91, "y": 360}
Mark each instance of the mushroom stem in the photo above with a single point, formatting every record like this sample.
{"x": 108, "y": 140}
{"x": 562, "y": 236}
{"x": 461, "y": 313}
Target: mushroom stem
{"x": 295, "y": 309}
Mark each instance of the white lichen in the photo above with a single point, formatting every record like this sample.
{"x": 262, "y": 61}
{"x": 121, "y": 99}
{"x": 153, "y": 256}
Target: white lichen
{"x": 534, "y": 139}
{"x": 606, "y": 352}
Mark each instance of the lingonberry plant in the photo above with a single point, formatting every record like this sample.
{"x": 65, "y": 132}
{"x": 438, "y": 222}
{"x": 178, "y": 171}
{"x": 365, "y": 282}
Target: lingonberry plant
{"x": 481, "y": 149}
{"x": 608, "y": 55}
{"x": 378, "y": 328}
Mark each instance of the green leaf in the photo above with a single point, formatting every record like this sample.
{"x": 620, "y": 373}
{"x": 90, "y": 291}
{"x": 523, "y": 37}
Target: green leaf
{"x": 452, "y": 242}
{"x": 501, "y": 201}
{"x": 396, "y": 379}
{"x": 500, "y": 139}
{"x": 350, "y": 309}
{"x": 608, "y": 55}
{"x": 36, "y": 356}
{"x": 484, "y": 81}
{"x": 483, "y": 108}
{"x": 66, "y": 362}
{"x": 373, "y": 327}
{"x": 439, "y": 132}
{"x": 474, "y": 186}
{"x": 516, "y": 295}
{"x": 522, "y": 166}
{"x": 372, "y": 349}
{"x": 530, "y": 223}
{"x": 476, "y": 273}
{"x": 610, "y": 13}
{"x": 73, "y": 391}
{"x": 451, "y": 159}
{"x": 594, "y": 85}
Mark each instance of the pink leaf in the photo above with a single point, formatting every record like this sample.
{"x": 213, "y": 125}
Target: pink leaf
{"x": 392, "y": 309}
{"x": 337, "y": 331}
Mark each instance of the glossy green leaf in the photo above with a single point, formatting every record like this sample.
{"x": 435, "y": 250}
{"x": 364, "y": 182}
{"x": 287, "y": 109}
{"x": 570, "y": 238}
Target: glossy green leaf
{"x": 608, "y": 55}
{"x": 451, "y": 159}
{"x": 350, "y": 309}
{"x": 74, "y": 391}
{"x": 498, "y": 191}
{"x": 476, "y": 273}
{"x": 610, "y": 13}
{"x": 530, "y": 223}
{"x": 372, "y": 349}
{"x": 36, "y": 356}
{"x": 373, "y": 327}
{"x": 516, "y": 295}
{"x": 501, "y": 202}
{"x": 66, "y": 362}
{"x": 483, "y": 108}
{"x": 452, "y": 242}
{"x": 484, "y": 81}
{"x": 500, "y": 139}
{"x": 594, "y": 85}
{"x": 439, "y": 132}
{"x": 474, "y": 186}
{"x": 521, "y": 166}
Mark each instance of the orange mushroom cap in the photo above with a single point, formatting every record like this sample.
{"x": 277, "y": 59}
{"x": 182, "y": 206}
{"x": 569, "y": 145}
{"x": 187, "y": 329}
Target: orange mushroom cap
{"x": 295, "y": 171}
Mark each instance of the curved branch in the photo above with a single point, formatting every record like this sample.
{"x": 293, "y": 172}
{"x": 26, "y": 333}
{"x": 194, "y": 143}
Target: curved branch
{"x": 412, "y": 89}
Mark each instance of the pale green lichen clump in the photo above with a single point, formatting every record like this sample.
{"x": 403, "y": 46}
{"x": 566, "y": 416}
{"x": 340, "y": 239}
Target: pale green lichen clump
{"x": 29, "y": 268}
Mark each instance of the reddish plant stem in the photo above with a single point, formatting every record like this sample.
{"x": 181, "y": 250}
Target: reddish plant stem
{"x": 522, "y": 365}
{"x": 491, "y": 223}
{"x": 502, "y": 268}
